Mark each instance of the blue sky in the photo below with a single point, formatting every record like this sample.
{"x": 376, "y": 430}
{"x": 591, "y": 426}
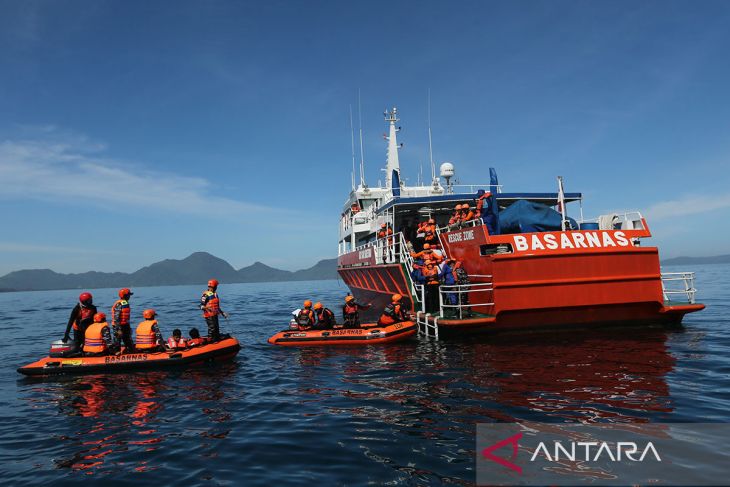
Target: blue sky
{"x": 136, "y": 131}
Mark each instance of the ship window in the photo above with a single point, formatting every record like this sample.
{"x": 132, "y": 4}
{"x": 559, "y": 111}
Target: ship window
{"x": 491, "y": 249}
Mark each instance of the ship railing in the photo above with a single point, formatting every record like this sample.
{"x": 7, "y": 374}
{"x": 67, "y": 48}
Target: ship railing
{"x": 462, "y": 298}
{"x": 426, "y": 323}
{"x": 473, "y": 188}
{"x": 679, "y": 287}
{"x": 391, "y": 250}
{"x": 626, "y": 220}
{"x": 476, "y": 222}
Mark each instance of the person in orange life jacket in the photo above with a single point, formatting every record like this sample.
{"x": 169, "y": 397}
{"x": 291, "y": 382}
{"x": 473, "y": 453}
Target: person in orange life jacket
{"x": 433, "y": 281}
{"x": 325, "y": 317}
{"x": 149, "y": 337}
{"x": 456, "y": 217}
{"x": 98, "y": 338}
{"x": 121, "y": 314}
{"x": 82, "y": 315}
{"x": 394, "y": 312}
{"x": 427, "y": 254}
{"x": 305, "y": 318}
{"x": 351, "y": 312}
{"x": 211, "y": 306}
{"x": 383, "y": 230}
{"x": 430, "y": 237}
{"x": 195, "y": 339}
{"x": 176, "y": 341}
{"x": 466, "y": 213}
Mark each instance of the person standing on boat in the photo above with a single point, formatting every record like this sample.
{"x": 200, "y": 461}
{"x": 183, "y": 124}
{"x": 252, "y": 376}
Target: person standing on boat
{"x": 449, "y": 279}
{"x": 351, "y": 312}
{"x": 433, "y": 282}
{"x": 462, "y": 279}
{"x": 211, "y": 305}
{"x": 98, "y": 338}
{"x": 121, "y": 317}
{"x": 82, "y": 315}
{"x": 149, "y": 337}
{"x": 394, "y": 312}
{"x": 325, "y": 317}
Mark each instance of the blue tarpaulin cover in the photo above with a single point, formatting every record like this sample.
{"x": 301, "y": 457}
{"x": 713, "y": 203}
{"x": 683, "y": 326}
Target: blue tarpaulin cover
{"x": 527, "y": 216}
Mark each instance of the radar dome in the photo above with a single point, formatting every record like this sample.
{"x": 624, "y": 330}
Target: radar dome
{"x": 447, "y": 170}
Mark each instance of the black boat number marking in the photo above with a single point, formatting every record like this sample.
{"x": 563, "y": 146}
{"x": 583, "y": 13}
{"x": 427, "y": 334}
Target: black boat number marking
{"x": 347, "y": 332}
{"x": 135, "y": 357}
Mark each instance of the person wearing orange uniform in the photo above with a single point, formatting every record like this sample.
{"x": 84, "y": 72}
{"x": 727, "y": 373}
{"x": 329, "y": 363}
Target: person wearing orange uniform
{"x": 306, "y": 319}
{"x": 98, "y": 338}
{"x": 466, "y": 213}
{"x": 456, "y": 217}
{"x": 211, "y": 305}
{"x": 149, "y": 338}
{"x": 430, "y": 229}
{"x": 325, "y": 317}
{"x": 82, "y": 315}
{"x": 121, "y": 318}
{"x": 176, "y": 341}
{"x": 428, "y": 254}
{"x": 393, "y": 312}
{"x": 433, "y": 281}
{"x": 195, "y": 339}
{"x": 350, "y": 312}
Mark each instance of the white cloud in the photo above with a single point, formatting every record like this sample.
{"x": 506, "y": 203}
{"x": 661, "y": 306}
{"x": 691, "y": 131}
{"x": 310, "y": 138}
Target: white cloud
{"x": 72, "y": 168}
{"x": 687, "y": 205}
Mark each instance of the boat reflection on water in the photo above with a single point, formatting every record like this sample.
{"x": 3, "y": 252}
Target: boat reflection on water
{"x": 118, "y": 415}
{"x": 611, "y": 375}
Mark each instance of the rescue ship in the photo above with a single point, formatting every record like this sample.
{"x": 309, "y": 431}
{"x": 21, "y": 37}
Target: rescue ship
{"x": 529, "y": 264}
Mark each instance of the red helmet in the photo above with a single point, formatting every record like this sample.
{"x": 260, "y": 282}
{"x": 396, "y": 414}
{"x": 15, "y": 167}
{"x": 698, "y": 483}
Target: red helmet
{"x": 148, "y": 314}
{"x": 125, "y": 292}
{"x": 85, "y": 298}
{"x": 99, "y": 318}
{"x": 397, "y": 297}
{"x": 349, "y": 298}
{"x": 307, "y": 304}
{"x": 213, "y": 283}
{"x": 318, "y": 305}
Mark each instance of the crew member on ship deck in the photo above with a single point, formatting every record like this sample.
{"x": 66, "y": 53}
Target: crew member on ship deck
{"x": 433, "y": 281}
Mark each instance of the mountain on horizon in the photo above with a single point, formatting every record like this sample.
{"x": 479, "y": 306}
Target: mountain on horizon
{"x": 196, "y": 268}
{"x": 717, "y": 259}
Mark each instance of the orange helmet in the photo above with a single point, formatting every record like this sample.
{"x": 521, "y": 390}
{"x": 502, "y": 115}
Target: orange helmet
{"x": 318, "y": 305}
{"x": 148, "y": 314}
{"x": 307, "y": 304}
{"x": 349, "y": 298}
{"x": 396, "y": 298}
{"x": 99, "y": 318}
{"x": 426, "y": 246}
{"x": 125, "y": 292}
{"x": 457, "y": 207}
{"x": 213, "y": 283}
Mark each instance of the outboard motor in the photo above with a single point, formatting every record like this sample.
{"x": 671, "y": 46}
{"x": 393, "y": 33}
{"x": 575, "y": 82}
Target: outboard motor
{"x": 293, "y": 325}
{"x": 59, "y": 348}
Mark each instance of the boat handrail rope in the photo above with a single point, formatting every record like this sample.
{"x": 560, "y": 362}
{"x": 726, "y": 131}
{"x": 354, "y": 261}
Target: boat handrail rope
{"x": 460, "y": 294}
{"x": 687, "y": 289}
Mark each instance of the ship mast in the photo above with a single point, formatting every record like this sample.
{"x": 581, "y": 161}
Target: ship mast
{"x": 393, "y": 164}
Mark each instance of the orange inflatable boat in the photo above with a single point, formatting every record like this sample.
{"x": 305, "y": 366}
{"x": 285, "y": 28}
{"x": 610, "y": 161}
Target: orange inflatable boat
{"x": 367, "y": 334}
{"x": 224, "y": 349}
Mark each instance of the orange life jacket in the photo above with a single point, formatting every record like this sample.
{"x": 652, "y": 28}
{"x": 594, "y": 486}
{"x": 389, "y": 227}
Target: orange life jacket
{"x": 305, "y": 317}
{"x": 94, "y": 339}
{"x": 146, "y": 336}
{"x": 84, "y": 314}
{"x": 467, "y": 216}
{"x": 121, "y": 312}
{"x": 391, "y": 314}
{"x": 350, "y": 309}
{"x": 431, "y": 275}
{"x": 212, "y": 305}
{"x": 194, "y": 342}
{"x": 172, "y": 343}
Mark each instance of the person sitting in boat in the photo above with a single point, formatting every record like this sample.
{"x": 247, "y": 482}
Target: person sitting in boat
{"x": 351, "y": 312}
{"x": 81, "y": 316}
{"x": 394, "y": 312}
{"x": 305, "y": 318}
{"x": 149, "y": 338}
{"x": 98, "y": 338}
{"x": 176, "y": 341}
{"x": 325, "y": 317}
{"x": 195, "y": 339}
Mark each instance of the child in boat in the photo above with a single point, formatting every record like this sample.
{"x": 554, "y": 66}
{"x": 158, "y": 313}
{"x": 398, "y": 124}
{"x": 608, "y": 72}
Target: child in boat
{"x": 176, "y": 341}
{"x": 195, "y": 339}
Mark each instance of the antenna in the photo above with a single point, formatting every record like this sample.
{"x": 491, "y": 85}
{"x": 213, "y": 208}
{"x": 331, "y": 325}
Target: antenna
{"x": 352, "y": 137}
{"x": 430, "y": 148}
{"x": 362, "y": 152}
